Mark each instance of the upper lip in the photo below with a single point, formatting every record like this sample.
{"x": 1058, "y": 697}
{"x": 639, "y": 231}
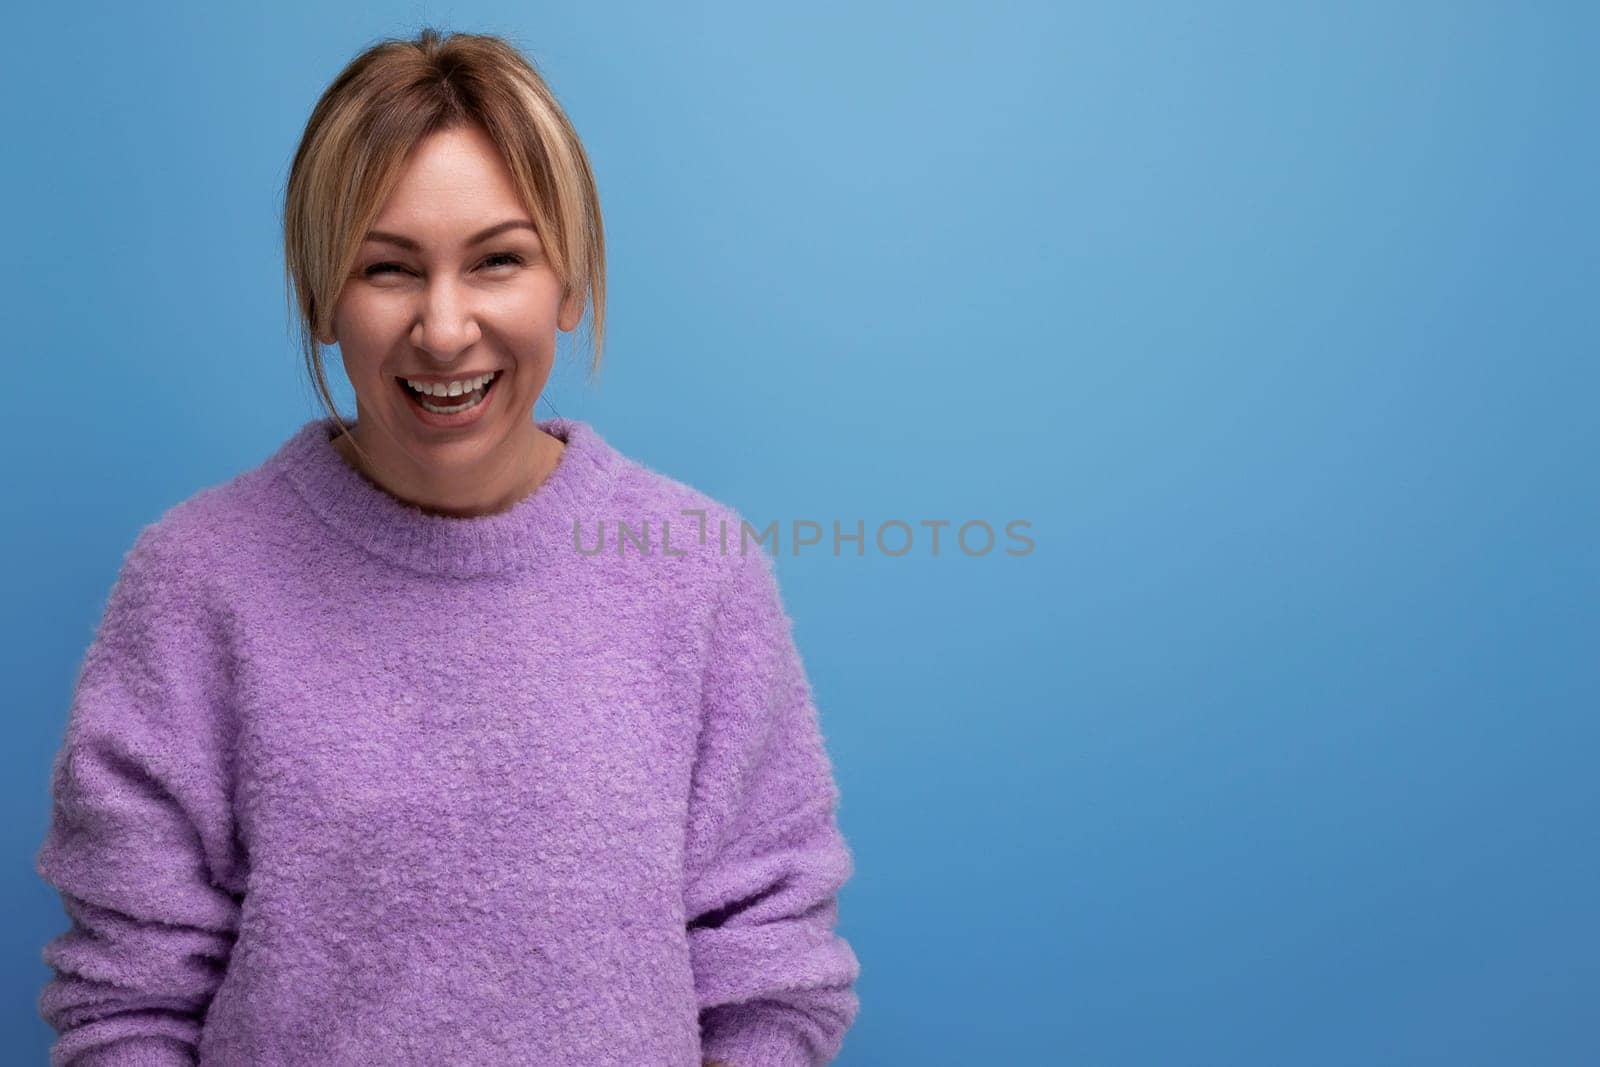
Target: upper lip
{"x": 446, "y": 379}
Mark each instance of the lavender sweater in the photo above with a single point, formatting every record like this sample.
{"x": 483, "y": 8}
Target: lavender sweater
{"x": 345, "y": 782}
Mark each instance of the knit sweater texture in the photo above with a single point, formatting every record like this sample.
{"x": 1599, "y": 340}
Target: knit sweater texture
{"x": 348, "y": 782}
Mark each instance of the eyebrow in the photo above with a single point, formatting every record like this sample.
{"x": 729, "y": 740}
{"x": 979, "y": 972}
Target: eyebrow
{"x": 480, "y": 236}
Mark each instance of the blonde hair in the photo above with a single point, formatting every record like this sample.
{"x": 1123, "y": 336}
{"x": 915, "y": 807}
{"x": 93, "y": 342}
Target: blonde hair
{"x": 375, "y": 111}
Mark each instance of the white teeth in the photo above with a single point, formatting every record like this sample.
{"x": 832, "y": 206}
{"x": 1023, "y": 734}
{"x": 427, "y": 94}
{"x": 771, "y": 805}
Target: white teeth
{"x": 456, "y": 388}
{"x": 452, "y": 409}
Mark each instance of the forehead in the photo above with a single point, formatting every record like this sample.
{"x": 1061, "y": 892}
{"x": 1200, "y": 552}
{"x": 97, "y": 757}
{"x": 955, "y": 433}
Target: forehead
{"x": 452, "y": 185}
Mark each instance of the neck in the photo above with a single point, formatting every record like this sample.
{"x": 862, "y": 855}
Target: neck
{"x": 486, "y": 486}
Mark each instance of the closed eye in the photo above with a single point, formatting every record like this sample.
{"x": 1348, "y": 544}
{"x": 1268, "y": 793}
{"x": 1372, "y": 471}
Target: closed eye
{"x": 384, "y": 268}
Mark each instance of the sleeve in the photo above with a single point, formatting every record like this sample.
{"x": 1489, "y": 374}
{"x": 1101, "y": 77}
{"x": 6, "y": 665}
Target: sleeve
{"x": 765, "y": 857}
{"x": 141, "y": 843}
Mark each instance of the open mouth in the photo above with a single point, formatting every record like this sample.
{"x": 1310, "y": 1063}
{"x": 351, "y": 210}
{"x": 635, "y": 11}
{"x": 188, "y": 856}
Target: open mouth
{"x": 449, "y": 405}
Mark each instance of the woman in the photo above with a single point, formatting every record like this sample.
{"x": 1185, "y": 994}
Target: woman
{"x": 391, "y": 750}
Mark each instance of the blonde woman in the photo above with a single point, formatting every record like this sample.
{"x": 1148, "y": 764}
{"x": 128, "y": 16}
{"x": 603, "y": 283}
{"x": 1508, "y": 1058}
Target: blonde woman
{"x": 446, "y": 735}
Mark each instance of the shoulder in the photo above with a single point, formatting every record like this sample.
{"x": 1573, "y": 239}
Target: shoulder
{"x": 717, "y": 553}
{"x": 162, "y": 615}
{"x": 705, "y": 525}
{"x": 190, "y": 554}
{"x": 199, "y": 532}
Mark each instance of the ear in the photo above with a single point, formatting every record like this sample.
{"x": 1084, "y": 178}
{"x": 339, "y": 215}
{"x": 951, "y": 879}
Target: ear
{"x": 571, "y": 310}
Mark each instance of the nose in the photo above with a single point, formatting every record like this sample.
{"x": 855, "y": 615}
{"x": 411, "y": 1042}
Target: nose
{"x": 447, "y": 324}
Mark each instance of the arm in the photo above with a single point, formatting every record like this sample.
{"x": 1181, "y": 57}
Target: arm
{"x": 141, "y": 830}
{"x": 765, "y": 857}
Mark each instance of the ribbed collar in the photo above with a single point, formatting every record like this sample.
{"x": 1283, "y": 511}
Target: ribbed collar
{"x": 538, "y": 528}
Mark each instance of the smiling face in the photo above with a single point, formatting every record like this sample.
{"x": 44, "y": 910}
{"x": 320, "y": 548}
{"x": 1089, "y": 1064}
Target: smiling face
{"x": 451, "y": 283}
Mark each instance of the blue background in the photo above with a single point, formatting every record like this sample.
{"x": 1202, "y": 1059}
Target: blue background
{"x": 1277, "y": 322}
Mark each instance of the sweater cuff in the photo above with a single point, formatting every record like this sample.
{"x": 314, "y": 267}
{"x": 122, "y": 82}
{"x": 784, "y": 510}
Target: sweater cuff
{"x": 145, "y": 1051}
{"x": 750, "y": 1035}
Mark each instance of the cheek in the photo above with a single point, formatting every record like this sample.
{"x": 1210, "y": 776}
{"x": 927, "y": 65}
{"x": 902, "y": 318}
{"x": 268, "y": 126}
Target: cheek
{"x": 526, "y": 331}
{"x": 534, "y": 304}
{"x": 366, "y": 317}
{"x": 526, "y": 316}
